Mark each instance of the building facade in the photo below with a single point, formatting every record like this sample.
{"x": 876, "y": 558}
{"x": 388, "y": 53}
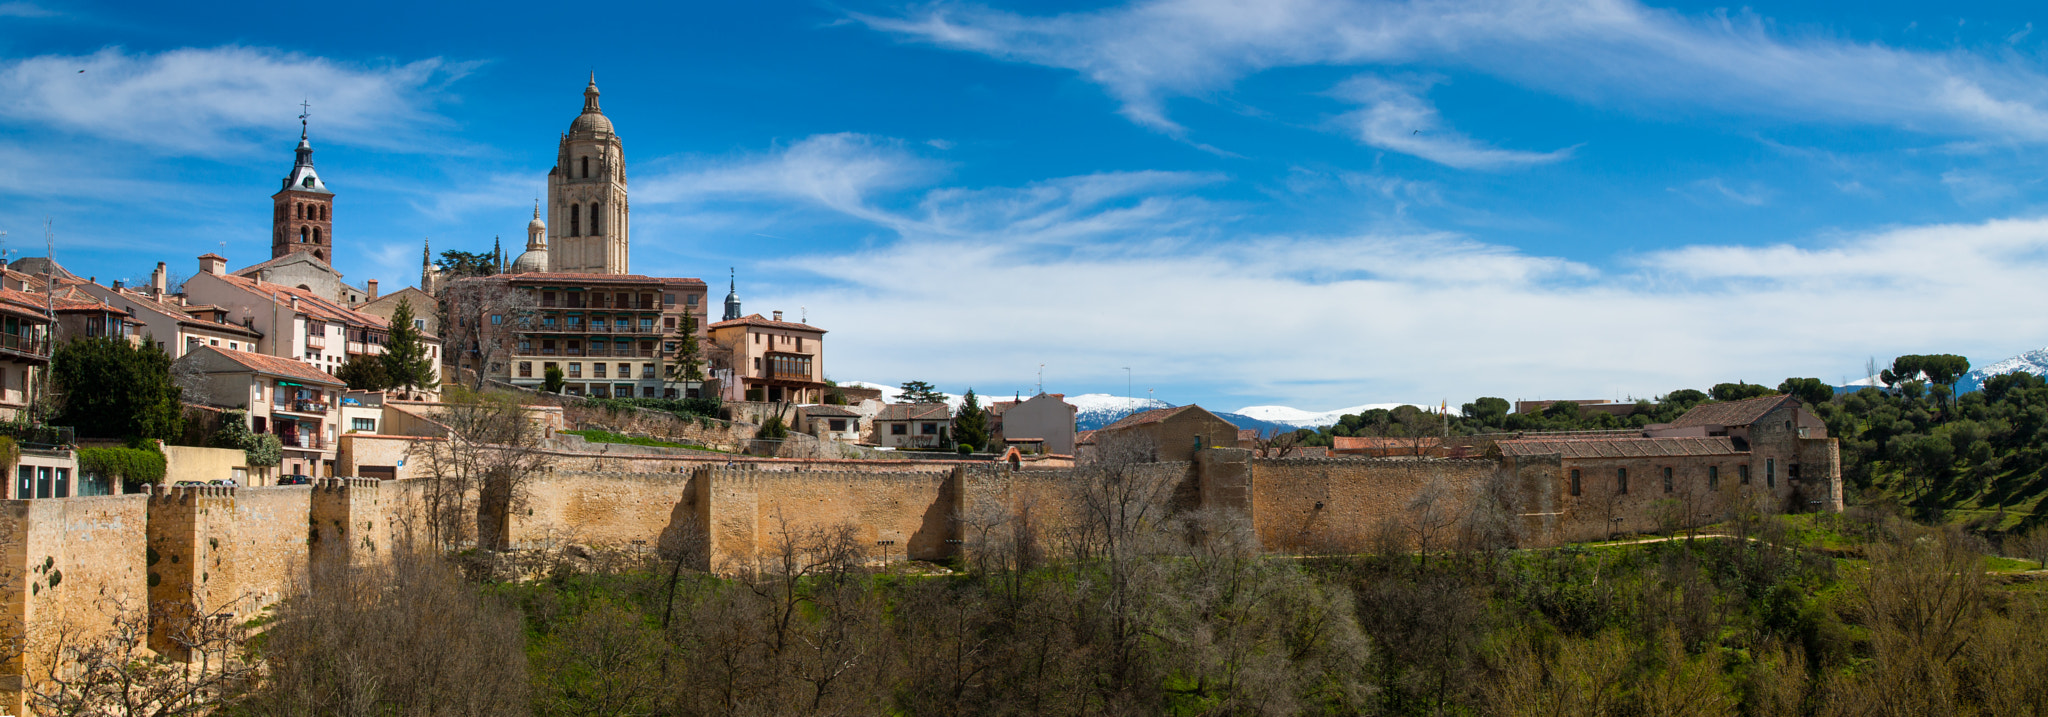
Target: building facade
{"x": 1045, "y": 421}
{"x": 768, "y": 359}
{"x": 292, "y": 322}
{"x": 611, "y": 335}
{"x": 298, "y": 403}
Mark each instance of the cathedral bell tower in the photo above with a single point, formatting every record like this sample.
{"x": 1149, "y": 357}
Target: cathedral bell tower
{"x": 588, "y": 219}
{"x": 301, "y": 216}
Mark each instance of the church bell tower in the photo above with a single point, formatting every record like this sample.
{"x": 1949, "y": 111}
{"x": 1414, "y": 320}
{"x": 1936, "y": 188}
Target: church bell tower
{"x": 588, "y": 219}
{"x": 301, "y": 216}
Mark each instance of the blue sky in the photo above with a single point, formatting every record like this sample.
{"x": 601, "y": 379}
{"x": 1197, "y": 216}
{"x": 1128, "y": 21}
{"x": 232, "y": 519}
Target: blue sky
{"x": 1306, "y": 202}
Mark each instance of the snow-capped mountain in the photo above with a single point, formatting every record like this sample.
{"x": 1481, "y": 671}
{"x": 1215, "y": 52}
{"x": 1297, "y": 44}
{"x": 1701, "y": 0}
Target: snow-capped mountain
{"x": 2034, "y": 362}
{"x": 1095, "y": 410}
{"x": 1297, "y": 418}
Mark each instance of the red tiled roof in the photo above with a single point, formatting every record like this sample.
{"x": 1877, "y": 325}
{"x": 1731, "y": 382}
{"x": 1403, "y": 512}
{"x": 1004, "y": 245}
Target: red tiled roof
{"x": 1621, "y": 447}
{"x": 1084, "y": 438}
{"x": 183, "y": 314}
{"x": 23, "y": 304}
{"x": 594, "y": 278}
{"x": 756, "y": 320}
{"x": 1247, "y": 434}
{"x": 1154, "y": 416}
{"x": 829, "y": 412}
{"x": 1373, "y": 443}
{"x": 311, "y": 304}
{"x": 1732, "y": 413}
{"x": 914, "y": 412}
{"x": 276, "y": 366}
{"x": 286, "y": 259}
{"x": 211, "y": 255}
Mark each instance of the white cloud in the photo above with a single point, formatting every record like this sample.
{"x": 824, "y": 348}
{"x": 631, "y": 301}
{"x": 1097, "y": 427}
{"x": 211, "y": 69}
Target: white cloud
{"x": 835, "y": 171}
{"x": 27, "y": 9}
{"x": 1608, "y": 51}
{"x": 1092, "y": 273}
{"x": 200, "y": 101}
{"x": 1396, "y": 118}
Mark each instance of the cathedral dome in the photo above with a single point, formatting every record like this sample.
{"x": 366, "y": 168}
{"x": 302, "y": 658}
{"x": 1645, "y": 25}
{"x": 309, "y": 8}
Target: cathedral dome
{"x": 533, "y": 260}
{"x": 592, "y": 119}
{"x": 537, "y": 223}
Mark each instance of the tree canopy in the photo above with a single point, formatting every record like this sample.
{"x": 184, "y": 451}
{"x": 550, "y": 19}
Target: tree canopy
{"x": 110, "y": 388}
{"x": 456, "y": 264}
{"x": 971, "y": 423}
{"x": 920, "y": 392}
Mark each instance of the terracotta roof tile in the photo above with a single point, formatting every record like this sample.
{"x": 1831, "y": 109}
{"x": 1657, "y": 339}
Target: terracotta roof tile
{"x": 276, "y": 366}
{"x": 1621, "y": 447}
{"x": 914, "y": 412}
{"x": 756, "y": 320}
{"x": 1374, "y": 443}
{"x": 823, "y": 411}
{"x": 310, "y": 303}
{"x": 1732, "y": 413}
{"x": 1153, "y": 416}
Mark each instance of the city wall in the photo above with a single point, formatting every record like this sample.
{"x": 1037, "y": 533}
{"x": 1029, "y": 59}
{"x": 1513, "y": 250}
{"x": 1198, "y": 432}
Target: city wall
{"x": 74, "y": 563}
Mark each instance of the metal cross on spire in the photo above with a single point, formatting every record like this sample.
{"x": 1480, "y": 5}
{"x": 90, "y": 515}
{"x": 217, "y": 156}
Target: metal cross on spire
{"x": 305, "y": 110}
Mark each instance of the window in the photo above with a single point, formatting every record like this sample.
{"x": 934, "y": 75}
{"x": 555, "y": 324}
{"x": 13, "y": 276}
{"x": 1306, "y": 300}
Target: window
{"x": 1742, "y": 473}
{"x": 496, "y": 319}
{"x": 1575, "y": 481}
{"x": 575, "y": 369}
{"x": 316, "y": 235}
{"x": 302, "y": 235}
{"x": 668, "y": 323}
{"x": 1621, "y": 480}
{"x": 597, "y": 370}
{"x": 836, "y": 424}
{"x": 799, "y": 343}
{"x": 596, "y": 220}
{"x": 1770, "y": 472}
{"x": 647, "y": 392}
{"x": 625, "y": 369}
{"x": 576, "y": 219}
{"x": 929, "y": 429}
{"x": 668, "y": 299}
{"x": 757, "y": 338}
{"x": 526, "y": 369}
{"x": 213, "y": 342}
{"x": 647, "y": 324}
{"x": 1713, "y": 477}
{"x": 368, "y": 425}
{"x": 1667, "y": 479}
{"x": 690, "y": 299}
{"x": 586, "y": 167}
{"x": 757, "y": 363}
{"x": 899, "y": 429}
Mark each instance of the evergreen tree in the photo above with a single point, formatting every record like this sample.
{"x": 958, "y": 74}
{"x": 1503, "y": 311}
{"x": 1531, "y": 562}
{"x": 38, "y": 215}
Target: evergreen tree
{"x": 111, "y": 388}
{"x": 363, "y": 372}
{"x": 971, "y": 424}
{"x": 405, "y": 354}
{"x": 920, "y": 392}
{"x": 689, "y": 364}
{"x": 551, "y": 380}
{"x": 458, "y": 264}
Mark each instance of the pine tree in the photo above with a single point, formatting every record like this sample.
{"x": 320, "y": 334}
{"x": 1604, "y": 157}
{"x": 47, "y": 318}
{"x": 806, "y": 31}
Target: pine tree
{"x": 971, "y": 425}
{"x": 363, "y": 372}
{"x": 920, "y": 392}
{"x": 405, "y": 355}
{"x": 551, "y": 380}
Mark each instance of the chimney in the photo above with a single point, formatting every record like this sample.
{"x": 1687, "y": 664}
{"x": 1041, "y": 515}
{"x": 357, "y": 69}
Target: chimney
{"x": 778, "y": 316}
{"x": 119, "y": 284}
{"x": 160, "y": 280}
{"x": 214, "y": 264}
{"x": 372, "y": 286}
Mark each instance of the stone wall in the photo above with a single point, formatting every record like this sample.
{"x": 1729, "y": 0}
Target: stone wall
{"x": 65, "y": 566}
{"x": 1337, "y": 505}
{"x": 748, "y": 514}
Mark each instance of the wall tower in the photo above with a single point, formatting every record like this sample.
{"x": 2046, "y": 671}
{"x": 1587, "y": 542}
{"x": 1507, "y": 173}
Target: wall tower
{"x": 588, "y": 218}
{"x": 302, "y": 212}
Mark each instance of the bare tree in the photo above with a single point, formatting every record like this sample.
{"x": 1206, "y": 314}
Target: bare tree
{"x": 479, "y": 472}
{"x": 1430, "y": 515}
{"x": 478, "y": 317}
{"x": 1276, "y": 444}
{"x": 111, "y": 671}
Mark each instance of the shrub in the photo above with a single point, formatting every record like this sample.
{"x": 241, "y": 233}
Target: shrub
{"x": 772, "y": 429}
{"x": 966, "y": 449}
{"x": 134, "y": 466}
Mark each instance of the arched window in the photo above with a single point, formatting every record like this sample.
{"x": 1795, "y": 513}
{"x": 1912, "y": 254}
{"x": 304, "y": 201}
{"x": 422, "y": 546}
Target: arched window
{"x": 596, "y": 220}
{"x": 316, "y": 235}
{"x": 298, "y": 211}
{"x": 322, "y": 210}
{"x": 586, "y": 167}
{"x": 302, "y": 235}
{"x": 575, "y": 220}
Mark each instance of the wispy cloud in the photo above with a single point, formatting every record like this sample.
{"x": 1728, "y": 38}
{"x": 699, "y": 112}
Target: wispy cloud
{"x": 1397, "y": 118}
{"x": 25, "y": 9}
{"x": 1094, "y": 272}
{"x": 201, "y": 101}
{"x": 1613, "y": 51}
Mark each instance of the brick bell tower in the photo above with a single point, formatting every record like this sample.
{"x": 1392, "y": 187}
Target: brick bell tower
{"x": 302, "y": 214}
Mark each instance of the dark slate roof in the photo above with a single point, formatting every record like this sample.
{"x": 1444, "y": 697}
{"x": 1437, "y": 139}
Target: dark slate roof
{"x": 829, "y": 412}
{"x": 1732, "y": 413}
{"x": 1621, "y": 447}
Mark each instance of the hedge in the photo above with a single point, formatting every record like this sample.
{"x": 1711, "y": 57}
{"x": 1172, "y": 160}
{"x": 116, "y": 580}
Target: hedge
{"x": 132, "y": 465}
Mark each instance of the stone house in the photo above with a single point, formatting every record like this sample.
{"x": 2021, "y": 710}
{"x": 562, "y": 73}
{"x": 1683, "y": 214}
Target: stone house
{"x": 912, "y": 425}
{"x": 1044, "y": 422}
{"x": 298, "y": 403}
{"x": 1169, "y": 434}
{"x": 768, "y": 359}
{"x": 1767, "y": 453}
{"x": 831, "y": 423}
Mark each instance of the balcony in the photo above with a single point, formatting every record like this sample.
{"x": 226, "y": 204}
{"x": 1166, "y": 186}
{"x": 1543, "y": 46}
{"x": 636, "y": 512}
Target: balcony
{"x": 316, "y": 408}
{"x": 303, "y": 441}
{"x": 36, "y": 347}
{"x": 316, "y": 341}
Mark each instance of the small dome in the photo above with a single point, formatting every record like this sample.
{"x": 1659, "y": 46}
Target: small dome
{"x": 591, "y": 122}
{"x": 533, "y": 260}
{"x": 537, "y": 224}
